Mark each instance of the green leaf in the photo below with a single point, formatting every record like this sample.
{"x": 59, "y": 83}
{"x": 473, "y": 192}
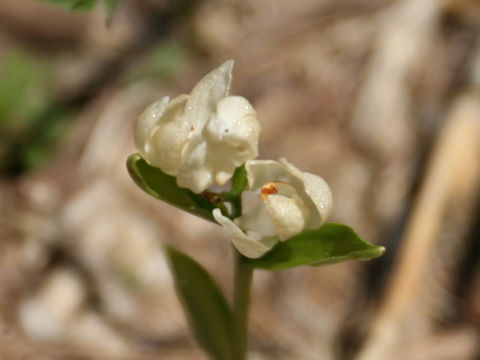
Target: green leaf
{"x": 77, "y": 5}
{"x": 164, "y": 187}
{"x": 239, "y": 181}
{"x": 330, "y": 244}
{"x": 234, "y": 196}
{"x": 206, "y": 309}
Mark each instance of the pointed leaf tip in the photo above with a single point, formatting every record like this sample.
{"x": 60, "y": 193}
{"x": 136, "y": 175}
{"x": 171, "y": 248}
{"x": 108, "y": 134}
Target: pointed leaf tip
{"x": 330, "y": 244}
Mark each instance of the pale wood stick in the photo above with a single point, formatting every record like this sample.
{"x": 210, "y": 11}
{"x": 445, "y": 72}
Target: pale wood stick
{"x": 454, "y": 167}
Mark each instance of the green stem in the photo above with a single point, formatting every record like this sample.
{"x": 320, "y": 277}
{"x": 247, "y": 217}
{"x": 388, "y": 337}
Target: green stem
{"x": 243, "y": 276}
{"x": 241, "y": 302}
{"x": 236, "y": 208}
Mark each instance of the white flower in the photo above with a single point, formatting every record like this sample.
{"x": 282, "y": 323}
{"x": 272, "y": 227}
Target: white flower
{"x": 202, "y": 137}
{"x": 287, "y": 202}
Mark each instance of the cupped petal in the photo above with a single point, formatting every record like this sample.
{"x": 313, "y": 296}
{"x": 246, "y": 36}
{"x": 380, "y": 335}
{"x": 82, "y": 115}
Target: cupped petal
{"x": 260, "y": 172}
{"x": 198, "y": 110}
{"x": 321, "y": 195}
{"x": 236, "y": 127}
{"x": 169, "y": 137}
{"x": 257, "y": 220}
{"x": 195, "y": 173}
{"x": 288, "y": 214}
{"x": 146, "y": 122}
{"x": 232, "y": 135}
{"x": 233, "y": 151}
{"x": 318, "y": 193}
{"x": 234, "y": 117}
{"x": 243, "y": 243}
{"x": 206, "y": 94}
{"x": 312, "y": 189}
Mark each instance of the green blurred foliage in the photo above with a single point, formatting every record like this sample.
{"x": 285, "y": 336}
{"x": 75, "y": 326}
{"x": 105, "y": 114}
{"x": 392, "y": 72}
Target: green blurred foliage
{"x": 78, "y": 5}
{"x": 39, "y": 149}
{"x": 29, "y": 122}
{"x": 22, "y": 90}
{"x": 109, "y": 6}
{"x": 160, "y": 63}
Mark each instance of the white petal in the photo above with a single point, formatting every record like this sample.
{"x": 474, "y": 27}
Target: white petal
{"x": 169, "y": 137}
{"x": 227, "y": 121}
{"x": 288, "y": 214}
{"x": 258, "y": 220}
{"x": 320, "y": 193}
{"x": 199, "y": 108}
{"x": 232, "y": 135}
{"x": 312, "y": 189}
{"x": 194, "y": 173}
{"x": 236, "y": 127}
{"x": 224, "y": 175}
{"x": 317, "y": 191}
{"x": 145, "y": 124}
{"x": 207, "y": 93}
{"x": 244, "y": 244}
{"x": 260, "y": 172}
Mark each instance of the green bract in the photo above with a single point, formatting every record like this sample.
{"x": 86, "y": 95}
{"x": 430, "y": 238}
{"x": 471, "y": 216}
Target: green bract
{"x": 330, "y": 244}
{"x": 164, "y": 187}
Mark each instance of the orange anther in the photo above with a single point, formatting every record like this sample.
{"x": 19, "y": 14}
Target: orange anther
{"x": 268, "y": 189}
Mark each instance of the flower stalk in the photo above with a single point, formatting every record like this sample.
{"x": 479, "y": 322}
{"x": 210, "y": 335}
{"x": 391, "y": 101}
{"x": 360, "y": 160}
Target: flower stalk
{"x": 243, "y": 276}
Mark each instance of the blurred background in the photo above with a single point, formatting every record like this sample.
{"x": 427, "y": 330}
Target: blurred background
{"x": 379, "y": 97}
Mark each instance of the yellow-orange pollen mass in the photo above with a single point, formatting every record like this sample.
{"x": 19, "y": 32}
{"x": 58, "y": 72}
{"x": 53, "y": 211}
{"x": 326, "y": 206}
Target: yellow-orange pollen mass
{"x": 268, "y": 189}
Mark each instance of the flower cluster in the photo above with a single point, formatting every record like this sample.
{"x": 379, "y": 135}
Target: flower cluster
{"x": 203, "y": 137}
